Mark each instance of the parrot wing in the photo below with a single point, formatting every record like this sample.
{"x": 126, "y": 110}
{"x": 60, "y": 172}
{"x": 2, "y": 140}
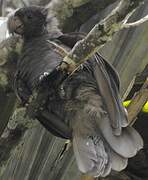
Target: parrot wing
{"x": 108, "y": 84}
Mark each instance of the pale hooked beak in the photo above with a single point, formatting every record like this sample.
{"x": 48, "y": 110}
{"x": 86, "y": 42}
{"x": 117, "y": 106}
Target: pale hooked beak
{"x": 15, "y": 25}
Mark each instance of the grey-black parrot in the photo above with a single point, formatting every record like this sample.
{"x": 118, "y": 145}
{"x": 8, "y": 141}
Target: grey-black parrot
{"x": 86, "y": 107}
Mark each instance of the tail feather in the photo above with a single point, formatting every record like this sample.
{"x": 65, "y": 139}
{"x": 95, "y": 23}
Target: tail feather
{"x": 127, "y": 144}
{"x": 91, "y": 156}
{"x": 95, "y": 157}
{"x": 103, "y": 151}
{"x": 118, "y": 162}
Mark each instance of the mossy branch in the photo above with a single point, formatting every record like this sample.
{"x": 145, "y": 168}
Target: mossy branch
{"x": 100, "y": 34}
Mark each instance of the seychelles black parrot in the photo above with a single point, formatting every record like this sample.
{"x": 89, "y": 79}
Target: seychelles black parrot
{"x": 86, "y": 107}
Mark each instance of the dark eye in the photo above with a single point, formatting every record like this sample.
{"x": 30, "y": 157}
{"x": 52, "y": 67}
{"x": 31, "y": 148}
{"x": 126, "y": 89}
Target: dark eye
{"x": 29, "y": 16}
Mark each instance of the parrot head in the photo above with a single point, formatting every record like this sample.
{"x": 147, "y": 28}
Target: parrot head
{"x": 28, "y": 21}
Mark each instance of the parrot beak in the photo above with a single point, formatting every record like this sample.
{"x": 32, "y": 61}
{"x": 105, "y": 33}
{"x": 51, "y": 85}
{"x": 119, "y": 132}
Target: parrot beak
{"x": 15, "y": 25}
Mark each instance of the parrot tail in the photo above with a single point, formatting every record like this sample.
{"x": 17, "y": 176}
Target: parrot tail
{"x": 103, "y": 151}
{"x": 95, "y": 158}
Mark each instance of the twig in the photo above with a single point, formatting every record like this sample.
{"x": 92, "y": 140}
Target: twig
{"x": 128, "y": 16}
{"x": 136, "y": 23}
{"x": 61, "y": 51}
{"x": 129, "y": 88}
{"x": 137, "y": 103}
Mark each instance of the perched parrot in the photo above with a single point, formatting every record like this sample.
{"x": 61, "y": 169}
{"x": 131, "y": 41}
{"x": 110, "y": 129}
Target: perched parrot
{"x": 86, "y": 107}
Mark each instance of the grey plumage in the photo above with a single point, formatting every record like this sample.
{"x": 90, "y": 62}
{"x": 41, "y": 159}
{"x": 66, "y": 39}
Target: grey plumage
{"x": 94, "y": 141}
{"x": 88, "y": 102}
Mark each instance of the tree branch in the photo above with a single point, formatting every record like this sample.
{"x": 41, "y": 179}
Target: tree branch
{"x": 136, "y": 23}
{"x": 129, "y": 88}
{"x": 99, "y": 35}
{"x": 137, "y": 102}
{"x": 61, "y": 51}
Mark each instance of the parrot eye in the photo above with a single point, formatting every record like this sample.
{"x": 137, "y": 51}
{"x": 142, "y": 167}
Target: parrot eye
{"x": 29, "y": 16}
